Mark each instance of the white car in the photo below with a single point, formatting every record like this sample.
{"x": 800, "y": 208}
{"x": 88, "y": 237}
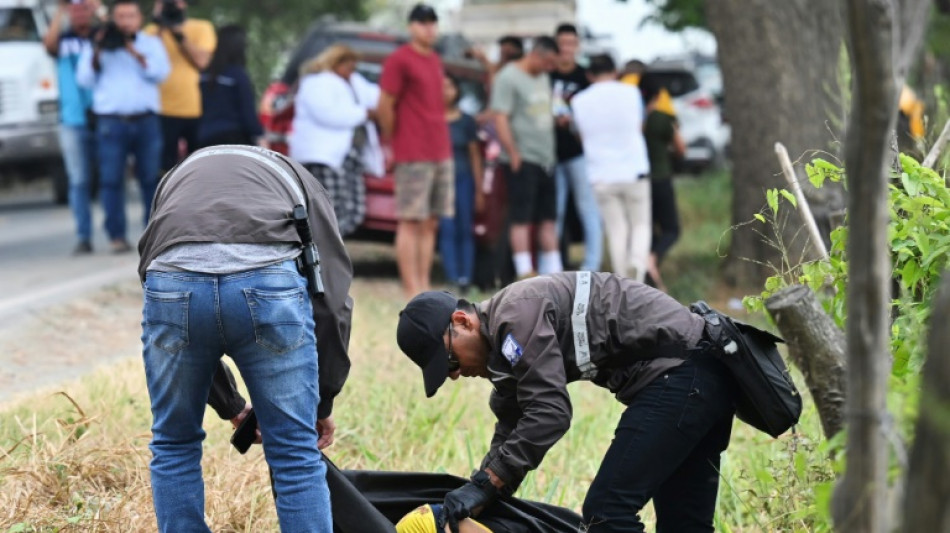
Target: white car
{"x": 696, "y": 88}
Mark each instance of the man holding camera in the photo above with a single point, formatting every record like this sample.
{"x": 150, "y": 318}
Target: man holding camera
{"x": 190, "y": 43}
{"x": 123, "y": 68}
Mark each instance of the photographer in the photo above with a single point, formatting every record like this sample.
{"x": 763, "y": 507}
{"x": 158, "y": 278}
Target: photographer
{"x": 190, "y": 44}
{"x": 123, "y": 69}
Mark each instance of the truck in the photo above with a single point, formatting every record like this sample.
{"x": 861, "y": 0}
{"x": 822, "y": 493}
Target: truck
{"x": 29, "y": 97}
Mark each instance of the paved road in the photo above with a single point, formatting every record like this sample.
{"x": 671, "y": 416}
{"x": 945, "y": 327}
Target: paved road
{"x": 36, "y": 239}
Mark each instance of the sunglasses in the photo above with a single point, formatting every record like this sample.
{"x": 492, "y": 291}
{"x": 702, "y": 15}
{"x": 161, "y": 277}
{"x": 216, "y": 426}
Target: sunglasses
{"x": 453, "y": 360}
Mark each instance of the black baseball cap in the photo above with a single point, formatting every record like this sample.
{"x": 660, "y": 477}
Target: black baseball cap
{"x": 422, "y": 13}
{"x": 419, "y": 334}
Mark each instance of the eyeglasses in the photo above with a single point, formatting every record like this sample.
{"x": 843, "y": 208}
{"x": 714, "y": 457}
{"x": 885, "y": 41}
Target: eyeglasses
{"x": 453, "y": 360}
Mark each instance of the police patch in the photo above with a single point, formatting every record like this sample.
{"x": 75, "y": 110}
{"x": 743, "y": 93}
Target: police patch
{"x": 511, "y": 350}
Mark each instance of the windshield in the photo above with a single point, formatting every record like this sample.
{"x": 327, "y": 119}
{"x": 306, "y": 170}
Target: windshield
{"x": 17, "y": 24}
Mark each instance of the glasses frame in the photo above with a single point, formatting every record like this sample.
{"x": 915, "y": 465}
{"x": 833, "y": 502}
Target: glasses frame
{"x": 454, "y": 363}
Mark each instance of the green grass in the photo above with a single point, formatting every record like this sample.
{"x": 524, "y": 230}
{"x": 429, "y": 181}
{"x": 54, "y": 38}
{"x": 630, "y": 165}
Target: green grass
{"x": 62, "y": 468}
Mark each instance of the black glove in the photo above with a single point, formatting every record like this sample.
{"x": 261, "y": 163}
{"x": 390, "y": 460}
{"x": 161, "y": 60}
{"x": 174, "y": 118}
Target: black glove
{"x": 462, "y": 502}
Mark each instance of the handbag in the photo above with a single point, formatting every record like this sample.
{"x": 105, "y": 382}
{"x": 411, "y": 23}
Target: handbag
{"x": 767, "y": 398}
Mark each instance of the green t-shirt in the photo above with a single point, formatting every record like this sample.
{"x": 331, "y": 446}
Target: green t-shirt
{"x": 659, "y": 130}
{"x": 527, "y": 102}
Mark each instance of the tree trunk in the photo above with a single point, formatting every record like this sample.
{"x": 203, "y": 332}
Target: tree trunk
{"x": 779, "y": 61}
{"x": 928, "y": 478}
{"x": 860, "y": 500}
{"x": 817, "y": 347}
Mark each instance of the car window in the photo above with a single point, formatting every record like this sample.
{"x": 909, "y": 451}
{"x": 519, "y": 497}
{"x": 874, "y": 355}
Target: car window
{"x": 677, "y": 83}
{"x": 17, "y": 24}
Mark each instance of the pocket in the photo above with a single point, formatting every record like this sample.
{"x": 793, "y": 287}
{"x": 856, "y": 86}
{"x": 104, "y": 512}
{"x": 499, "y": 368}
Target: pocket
{"x": 693, "y": 419}
{"x": 166, "y": 319}
{"x": 278, "y": 318}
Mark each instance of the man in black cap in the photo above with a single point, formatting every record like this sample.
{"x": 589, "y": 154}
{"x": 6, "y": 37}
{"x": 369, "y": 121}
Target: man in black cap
{"x": 533, "y": 338}
{"x": 416, "y": 140}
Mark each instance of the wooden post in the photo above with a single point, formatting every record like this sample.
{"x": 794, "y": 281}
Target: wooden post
{"x": 803, "y": 207}
{"x": 937, "y": 148}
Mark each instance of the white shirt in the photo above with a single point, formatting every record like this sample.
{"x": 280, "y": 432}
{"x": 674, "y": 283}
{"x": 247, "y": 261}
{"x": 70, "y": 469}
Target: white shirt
{"x": 609, "y": 118}
{"x": 327, "y": 109}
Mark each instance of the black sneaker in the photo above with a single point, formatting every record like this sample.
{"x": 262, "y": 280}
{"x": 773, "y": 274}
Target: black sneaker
{"x": 121, "y": 246}
{"x": 83, "y": 248}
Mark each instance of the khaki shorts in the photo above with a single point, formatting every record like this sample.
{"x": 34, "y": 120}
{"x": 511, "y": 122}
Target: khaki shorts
{"x": 425, "y": 189}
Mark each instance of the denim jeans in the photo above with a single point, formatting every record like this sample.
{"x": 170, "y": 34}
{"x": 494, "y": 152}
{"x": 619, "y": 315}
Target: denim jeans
{"x": 666, "y": 448}
{"x": 78, "y": 146}
{"x": 117, "y": 138}
{"x": 457, "y": 234}
{"x": 572, "y": 175}
{"x": 263, "y": 319}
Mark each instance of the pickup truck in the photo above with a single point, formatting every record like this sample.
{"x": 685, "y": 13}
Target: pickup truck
{"x": 29, "y": 97}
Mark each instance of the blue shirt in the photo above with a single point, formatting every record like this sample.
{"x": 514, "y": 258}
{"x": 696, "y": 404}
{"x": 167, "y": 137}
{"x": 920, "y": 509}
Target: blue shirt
{"x": 122, "y": 86}
{"x": 74, "y": 100}
{"x": 228, "y": 105}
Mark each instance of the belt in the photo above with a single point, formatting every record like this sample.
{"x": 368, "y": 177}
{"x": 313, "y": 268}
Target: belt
{"x": 126, "y": 118}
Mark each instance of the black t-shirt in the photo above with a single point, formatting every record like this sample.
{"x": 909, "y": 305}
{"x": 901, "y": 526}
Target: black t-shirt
{"x": 563, "y": 88}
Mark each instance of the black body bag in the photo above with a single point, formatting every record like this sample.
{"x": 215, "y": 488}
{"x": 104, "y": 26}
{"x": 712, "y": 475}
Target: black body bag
{"x": 767, "y": 398}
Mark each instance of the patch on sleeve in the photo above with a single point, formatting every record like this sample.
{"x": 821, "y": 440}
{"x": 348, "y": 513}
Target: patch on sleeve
{"x": 511, "y": 350}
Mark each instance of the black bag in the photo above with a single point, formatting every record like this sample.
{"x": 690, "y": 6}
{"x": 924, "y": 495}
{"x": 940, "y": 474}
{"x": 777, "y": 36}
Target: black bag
{"x": 767, "y": 399}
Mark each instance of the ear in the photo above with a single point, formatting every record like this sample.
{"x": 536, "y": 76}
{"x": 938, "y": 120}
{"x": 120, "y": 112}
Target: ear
{"x": 462, "y": 319}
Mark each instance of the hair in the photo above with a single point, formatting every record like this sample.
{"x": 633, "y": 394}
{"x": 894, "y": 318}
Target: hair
{"x": 649, "y": 87}
{"x": 512, "y": 40}
{"x": 566, "y": 27}
{"x": 458, "y": 89}
{"x": 545, "y": 43}
{"x": 601, "y": 64}
{"x": 231, "y": 49}
{"x": 330, "y": 58}
{"x": 634, "y": 66}
{"x": 117, "y": 3}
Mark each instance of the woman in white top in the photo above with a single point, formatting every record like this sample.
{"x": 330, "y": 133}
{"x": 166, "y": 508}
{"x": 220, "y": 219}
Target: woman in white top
{"x": 332, "y": 130}
{"x": 609, "y": 119}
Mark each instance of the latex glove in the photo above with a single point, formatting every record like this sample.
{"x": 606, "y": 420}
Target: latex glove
{"x": 466, "y": 501}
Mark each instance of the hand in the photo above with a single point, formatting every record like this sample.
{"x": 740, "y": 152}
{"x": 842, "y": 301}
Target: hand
{"x": 562, "y": 121}
{"x": 479, "y": 202}
{"x": 515, "y": 162}
{"x": 388, "y": 157}
{"x": 236, "y": 421}
{"x": 372, "y": 115}
{"x": 465, "y": 501}
{"x": 325, "y": 428}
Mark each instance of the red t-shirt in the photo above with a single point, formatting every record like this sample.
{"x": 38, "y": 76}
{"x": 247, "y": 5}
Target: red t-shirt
{"x": 415, "y": 81}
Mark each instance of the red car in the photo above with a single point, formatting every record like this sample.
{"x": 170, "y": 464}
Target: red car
{"x": 373, "y": 46}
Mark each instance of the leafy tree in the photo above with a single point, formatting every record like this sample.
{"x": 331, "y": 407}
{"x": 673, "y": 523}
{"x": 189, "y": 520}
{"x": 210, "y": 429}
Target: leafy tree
{"x": 677, "y": 15}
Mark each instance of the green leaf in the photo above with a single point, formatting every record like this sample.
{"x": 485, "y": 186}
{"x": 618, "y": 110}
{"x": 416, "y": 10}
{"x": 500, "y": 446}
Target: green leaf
{"x": 911, "y": 185}
{"x": 790, "y": 197}
{"x": 771, "y": 196}
{"x": 759, "y": 217}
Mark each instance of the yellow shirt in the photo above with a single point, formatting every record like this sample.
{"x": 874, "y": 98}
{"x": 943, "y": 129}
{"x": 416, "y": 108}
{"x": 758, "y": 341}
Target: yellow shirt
{"x": 181, "y": 92}
{"x": 664, "y": 102}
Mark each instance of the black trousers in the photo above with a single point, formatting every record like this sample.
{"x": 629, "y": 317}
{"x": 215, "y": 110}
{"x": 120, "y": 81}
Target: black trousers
{"x": 666, "y": 218}
{"x": 173, "y": 130}
{"x": 666, "y": 448}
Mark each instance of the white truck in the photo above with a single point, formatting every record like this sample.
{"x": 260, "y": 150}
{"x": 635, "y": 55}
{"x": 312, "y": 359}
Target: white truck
{"x": 29, "y": 96}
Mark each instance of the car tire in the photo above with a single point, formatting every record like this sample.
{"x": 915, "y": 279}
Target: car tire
{"x": 60, "y": 181}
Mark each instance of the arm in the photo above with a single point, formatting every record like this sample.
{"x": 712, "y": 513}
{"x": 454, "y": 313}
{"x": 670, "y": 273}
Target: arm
{"x": 478, "y": 172}
{"x": 391, "y": 84}
{"x": 224, "y": 397}
{"x": 679, "y": 145}
{"x": 85, "y": 70}
{"x": 387, "y": 119}
{"x": 51, "y": 39}
{"x": 507, "y": 140}
{"x": 503, "y": 101}
{"x": 154, "y": 59}
{"x": 321, "y": 98}
{"x": 198, "y": 49}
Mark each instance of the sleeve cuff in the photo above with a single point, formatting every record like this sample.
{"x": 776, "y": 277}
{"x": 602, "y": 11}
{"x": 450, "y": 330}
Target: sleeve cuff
{"x": 325, "y": 408}
{"x": 512, "y": 481}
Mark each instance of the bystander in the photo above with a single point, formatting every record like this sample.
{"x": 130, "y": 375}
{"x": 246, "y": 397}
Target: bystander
{"x": 229, "y": 108}
{"x": 190, "y": 44}
{"x": 412, "y": 119}
{"x": 76, "y": 138}
{"x": 123, "y": 69}
{"x": 521, "y": 103}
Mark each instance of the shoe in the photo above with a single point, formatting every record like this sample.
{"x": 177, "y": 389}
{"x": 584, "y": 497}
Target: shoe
{"x": 121, "y": 246}
{"x": 83, "y": 248}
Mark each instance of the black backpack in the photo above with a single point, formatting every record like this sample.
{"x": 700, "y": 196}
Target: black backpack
{"x": 767, "y": 399}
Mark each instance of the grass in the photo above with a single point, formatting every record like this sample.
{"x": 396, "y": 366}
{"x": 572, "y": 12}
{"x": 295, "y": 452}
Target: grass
{"x": 78, "y": 461}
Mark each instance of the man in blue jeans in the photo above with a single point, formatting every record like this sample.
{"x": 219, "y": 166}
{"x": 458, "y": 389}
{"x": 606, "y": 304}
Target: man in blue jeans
{"x": 219, "y": 262}
{"x": 76, "y": 139}
{"x": 124, "y": 69}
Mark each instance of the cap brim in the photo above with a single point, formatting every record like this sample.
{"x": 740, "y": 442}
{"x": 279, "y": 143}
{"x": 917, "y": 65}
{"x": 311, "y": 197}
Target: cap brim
{"x": 436, "y": 371}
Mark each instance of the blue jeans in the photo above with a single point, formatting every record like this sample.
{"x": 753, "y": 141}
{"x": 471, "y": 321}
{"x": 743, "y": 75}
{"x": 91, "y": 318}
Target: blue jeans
{"x": 78, "y": 146}
{"x": 667, "y": 448}
{"x": 263, "y": 319}
{"x": 572, "y": 175}
{"x": 457, "y": 234}
{"x": 117, "y": 138}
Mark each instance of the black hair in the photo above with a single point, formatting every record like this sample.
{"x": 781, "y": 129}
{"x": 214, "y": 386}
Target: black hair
{"x": 117, "y": 3}
{"x": 458, "y": 89}
{"x": 545, "y": 42}
{"x": 601, "y": 64}
{"x": 634, "y": 66}
{"x": 231, "y": 49}
{"x": 650, "y": 87}
{"x": 565, "y": 27}
{"x": 512, "y": 40}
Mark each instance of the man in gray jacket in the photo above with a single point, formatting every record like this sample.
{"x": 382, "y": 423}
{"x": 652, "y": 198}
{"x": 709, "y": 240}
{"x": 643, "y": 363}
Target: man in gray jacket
{"x": 536, "y": 336}
{"x": 222, "y": 261}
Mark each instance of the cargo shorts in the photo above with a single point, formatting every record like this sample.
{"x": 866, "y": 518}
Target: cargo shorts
{"x": 425, "y": 189}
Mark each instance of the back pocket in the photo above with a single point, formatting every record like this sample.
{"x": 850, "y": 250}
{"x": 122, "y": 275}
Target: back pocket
{"x": 166, "y": 319}
{"x": 278, "y": 318}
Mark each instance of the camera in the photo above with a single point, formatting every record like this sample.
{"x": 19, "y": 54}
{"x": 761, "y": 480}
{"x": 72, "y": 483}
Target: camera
{"x": 112, "y": 37}
{"x": 171, "y": 15}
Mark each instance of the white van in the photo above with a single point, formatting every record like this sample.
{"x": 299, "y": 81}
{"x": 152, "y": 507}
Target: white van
{"x": 29, "y": 96}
